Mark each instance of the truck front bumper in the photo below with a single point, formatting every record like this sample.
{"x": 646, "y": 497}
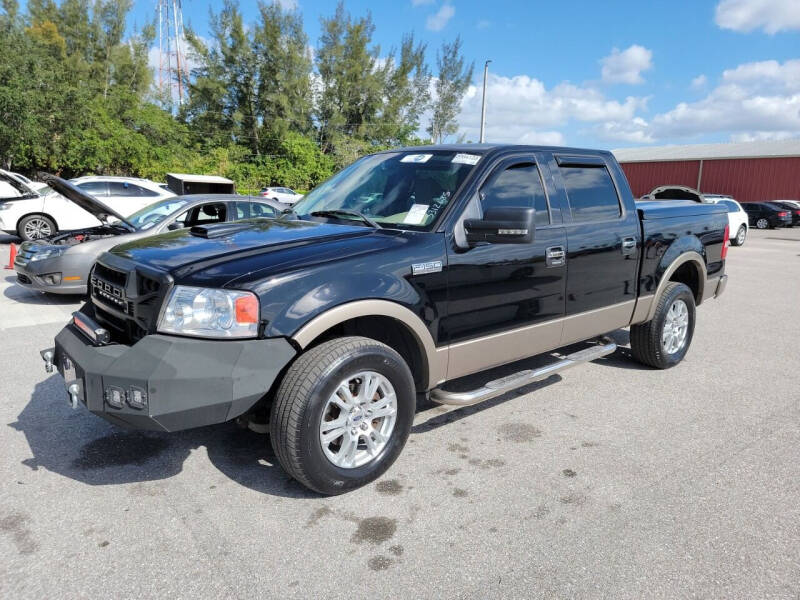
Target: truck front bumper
{"x": 167, "y": 383}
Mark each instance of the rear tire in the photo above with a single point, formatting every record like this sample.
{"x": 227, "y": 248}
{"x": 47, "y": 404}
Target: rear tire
{"x": 36, "y": 227}
{"x": 674, "y": 320}
{"x": 314, "y": 386}
{"x": 762, "y": 223}
{"x": 740, "y": 237}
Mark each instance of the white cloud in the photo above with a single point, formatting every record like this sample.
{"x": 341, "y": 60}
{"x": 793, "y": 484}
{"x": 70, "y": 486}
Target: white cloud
{"x": 755, "y": 136}
{"x": 699, "y": 82}
{"x": 522, "y": 110}
{"x": 438, "y": 20}
{"x": 770, "y": 15}
{"x": 758, "y": 100}
{"x": 483, "y": 24}
{"x": 287, "y": 4}
{"x": 626, "y": 66}
{"x": 421, "y": 2}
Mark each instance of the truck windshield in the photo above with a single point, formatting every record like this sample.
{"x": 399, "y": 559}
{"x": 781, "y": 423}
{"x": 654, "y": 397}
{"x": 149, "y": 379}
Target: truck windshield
{"x": 406, "y": 190}
{"x": 151, "y": 215}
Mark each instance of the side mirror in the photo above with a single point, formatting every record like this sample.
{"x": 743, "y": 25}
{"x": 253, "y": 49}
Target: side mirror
{"x": 174, "y": 225}
{"x": 502, "y": 225}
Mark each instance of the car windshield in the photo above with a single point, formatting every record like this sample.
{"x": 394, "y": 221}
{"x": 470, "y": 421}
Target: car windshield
{"x": 406, "y": 190}
{"x": 153, "y": 214}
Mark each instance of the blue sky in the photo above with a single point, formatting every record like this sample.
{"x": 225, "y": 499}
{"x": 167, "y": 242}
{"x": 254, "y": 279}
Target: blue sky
{"x": 605, "y": 74}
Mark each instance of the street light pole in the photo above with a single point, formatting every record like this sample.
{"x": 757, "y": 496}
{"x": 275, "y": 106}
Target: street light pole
{"x": 483, "y": 105}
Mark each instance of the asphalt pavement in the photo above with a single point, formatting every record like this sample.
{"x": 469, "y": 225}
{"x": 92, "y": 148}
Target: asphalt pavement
{"x": 610, "y": 481}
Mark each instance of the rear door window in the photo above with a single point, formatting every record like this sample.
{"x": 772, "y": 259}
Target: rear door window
{"x": 123, "y": 188}
{"x": 591, "y": 193}
{"x": 94, "y": 188}
{"x": 732, "y": 206}
{"x": 518, "y": 185}
{"x": 206, "y": 214}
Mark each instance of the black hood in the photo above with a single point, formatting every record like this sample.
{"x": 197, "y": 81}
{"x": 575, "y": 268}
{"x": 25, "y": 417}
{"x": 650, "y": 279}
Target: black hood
{"x": 24, "y": 190}
{"x": 187, "y": 251}
{"x": 86, "y": 201}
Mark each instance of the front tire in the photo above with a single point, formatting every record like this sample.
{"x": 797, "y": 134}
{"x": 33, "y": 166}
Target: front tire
{"x": 663, "y": 342}
{"x": 342, "y": 414}
{"x": 740, "y": 237}
{"x": 36, "y": 227}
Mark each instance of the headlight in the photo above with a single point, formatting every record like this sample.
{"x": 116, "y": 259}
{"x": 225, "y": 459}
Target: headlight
{"x": 43, "y": 252}
{"x": 208, "y": 312}
{"x": 5, "y": 205}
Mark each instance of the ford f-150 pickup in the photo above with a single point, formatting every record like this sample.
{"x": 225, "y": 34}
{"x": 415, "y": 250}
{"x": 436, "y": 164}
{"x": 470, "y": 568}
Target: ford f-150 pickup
{"x": 405, "y": 271}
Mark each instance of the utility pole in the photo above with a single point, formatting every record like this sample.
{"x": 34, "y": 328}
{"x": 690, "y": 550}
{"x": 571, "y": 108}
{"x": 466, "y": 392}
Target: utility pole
{"x": 483, "y": 106}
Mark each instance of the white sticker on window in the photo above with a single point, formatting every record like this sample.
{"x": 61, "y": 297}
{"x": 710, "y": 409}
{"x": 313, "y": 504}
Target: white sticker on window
{"x": 416, "y": 214}
{"x": 466, "y": 159}
{"x": 416, "y": 158}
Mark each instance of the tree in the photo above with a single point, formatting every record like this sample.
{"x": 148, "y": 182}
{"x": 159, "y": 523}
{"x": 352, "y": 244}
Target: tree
{"x": 351, "y": 84}
{"x": 451, "y": 85}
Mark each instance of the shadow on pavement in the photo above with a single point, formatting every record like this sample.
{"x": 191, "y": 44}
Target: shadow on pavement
{"x": 86, "y": 448}
{"x": 83, "y": 447}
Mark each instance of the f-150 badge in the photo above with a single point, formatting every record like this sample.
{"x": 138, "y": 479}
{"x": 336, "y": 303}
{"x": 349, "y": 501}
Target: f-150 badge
{"x": 428, "y": 267}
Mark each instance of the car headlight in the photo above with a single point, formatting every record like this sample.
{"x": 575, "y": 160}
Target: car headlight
{"x": 5, "y": 205}
{"x": 209, "y": 312}
{"x": 42, "y": 252}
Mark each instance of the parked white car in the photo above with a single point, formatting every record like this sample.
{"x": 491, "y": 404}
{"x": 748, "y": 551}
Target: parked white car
{"x": 281, "y": 194}
{"x": 34, "y": 215}
{"x": 738, "y": 222}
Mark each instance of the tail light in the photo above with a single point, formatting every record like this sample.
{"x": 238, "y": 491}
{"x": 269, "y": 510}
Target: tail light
{"x": 797, "y": 212}
{"x": 783, "y": 214}
{"x": 725, "y": 239}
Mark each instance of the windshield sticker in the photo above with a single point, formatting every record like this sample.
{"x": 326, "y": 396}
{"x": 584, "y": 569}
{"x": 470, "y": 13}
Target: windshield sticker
{"x": 416, "y": 214}
{"x": 466, "y": 159}
{"x": 416, "y": 158}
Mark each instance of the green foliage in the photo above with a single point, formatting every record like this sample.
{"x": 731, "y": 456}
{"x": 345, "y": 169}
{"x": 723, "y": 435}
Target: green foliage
{"x": 451, "y": 85}
{"x": 77, "y": 96}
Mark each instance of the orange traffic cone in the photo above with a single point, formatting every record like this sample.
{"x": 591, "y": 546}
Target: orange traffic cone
{"x": 11, "y": 256}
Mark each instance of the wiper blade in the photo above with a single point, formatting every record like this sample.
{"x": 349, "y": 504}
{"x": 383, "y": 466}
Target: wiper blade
{"x": 352, "y": 213}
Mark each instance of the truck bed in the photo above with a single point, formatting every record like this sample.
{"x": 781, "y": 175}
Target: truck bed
{"x": 664, "y": 209}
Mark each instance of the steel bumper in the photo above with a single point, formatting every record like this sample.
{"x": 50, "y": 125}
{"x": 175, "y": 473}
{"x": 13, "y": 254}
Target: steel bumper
{"x": 184, "y": 382}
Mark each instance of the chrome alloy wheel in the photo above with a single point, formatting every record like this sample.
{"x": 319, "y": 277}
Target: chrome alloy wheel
{"x": 36, "y": 229}
{"x": 741, "y": 235}
{"x": 358, "y": 420}
{"x": 762, "y": 224}
{"x": 676, "y": 327}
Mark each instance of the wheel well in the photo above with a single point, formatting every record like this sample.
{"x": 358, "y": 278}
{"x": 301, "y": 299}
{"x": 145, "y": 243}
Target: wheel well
{"x": 37, "y": 214}
{"x": 388, "y": 331}
{"x": 688, "y": 274}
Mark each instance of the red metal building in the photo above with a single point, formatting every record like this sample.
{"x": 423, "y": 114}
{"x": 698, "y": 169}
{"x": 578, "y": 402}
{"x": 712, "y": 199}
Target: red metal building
{"x": 748, "y": 171}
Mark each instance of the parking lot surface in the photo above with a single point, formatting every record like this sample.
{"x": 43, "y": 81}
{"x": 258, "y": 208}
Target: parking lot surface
{"x": 612, "y": 480}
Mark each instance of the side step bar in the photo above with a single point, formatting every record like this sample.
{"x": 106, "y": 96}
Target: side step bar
{"x": 498, "y": 387}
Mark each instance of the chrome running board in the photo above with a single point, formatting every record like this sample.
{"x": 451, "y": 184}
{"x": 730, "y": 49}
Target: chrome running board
{"x": 498, "y": 387}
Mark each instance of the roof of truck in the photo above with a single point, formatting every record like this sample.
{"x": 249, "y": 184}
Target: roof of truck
{"x": 486, "y": 148}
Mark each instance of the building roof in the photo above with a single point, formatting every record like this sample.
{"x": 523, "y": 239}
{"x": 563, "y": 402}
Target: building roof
{"x": 759, "y": 149}
{"x": 199, "y": 178}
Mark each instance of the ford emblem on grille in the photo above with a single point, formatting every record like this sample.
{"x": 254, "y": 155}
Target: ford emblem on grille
{"x": 109, "y": 292}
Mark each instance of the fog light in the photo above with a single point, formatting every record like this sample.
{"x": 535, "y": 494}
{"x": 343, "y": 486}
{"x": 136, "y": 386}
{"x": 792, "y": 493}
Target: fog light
{"x": 137, "y": 397}
{"x": 51, "y": 278}
{"x": 115, "y": 396}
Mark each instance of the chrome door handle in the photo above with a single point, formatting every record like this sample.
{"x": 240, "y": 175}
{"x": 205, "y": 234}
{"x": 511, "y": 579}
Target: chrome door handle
{"x": 555, "y": 256}
{"x": 628, "y": 245}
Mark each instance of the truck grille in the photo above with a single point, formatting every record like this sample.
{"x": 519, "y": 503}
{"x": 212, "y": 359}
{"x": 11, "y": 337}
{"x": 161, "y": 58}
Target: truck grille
{"x": 126, "y": 300}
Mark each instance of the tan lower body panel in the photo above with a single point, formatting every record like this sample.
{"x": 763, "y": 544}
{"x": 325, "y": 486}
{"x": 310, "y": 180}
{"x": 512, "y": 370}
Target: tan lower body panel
{"x": 500, "y": 348}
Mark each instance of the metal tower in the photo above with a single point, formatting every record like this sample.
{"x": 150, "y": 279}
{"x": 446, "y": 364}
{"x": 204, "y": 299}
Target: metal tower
{"x": 172, "y": 71}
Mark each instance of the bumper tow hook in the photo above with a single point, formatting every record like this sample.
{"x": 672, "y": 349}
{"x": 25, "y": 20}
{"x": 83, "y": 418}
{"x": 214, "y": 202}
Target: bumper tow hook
{"x": 47, "y": 356}
{"x": 73, "y": 390}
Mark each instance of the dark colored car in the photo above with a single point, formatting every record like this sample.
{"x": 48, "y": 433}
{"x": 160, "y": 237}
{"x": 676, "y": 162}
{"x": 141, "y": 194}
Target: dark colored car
{"x": 407, "y": 270}
{"x": 767, "y": 215}
{"x": 792, "y": 207}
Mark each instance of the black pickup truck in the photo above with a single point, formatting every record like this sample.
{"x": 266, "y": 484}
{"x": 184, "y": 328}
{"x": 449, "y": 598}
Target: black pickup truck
{"x": 405, "y": 271}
